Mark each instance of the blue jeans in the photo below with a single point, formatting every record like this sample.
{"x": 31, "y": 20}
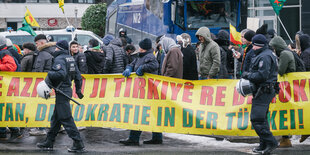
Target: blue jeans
{"x": 135, "y": 135}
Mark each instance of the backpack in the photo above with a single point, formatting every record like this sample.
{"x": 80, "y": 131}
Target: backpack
{"x": 300, "y": 65}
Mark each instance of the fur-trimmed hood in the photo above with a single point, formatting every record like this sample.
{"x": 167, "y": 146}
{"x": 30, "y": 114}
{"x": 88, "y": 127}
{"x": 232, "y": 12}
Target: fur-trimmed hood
{"x": 47, "y": 45}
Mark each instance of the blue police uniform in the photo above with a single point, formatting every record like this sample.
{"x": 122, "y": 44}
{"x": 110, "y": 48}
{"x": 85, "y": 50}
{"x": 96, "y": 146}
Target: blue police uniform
{"x": 63, "y": 71}
{"x": 263, "y": 73}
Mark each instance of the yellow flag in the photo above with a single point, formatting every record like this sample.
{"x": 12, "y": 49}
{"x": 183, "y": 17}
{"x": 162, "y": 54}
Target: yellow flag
{"x": 61, "y": 5}
{"x": 30, "y": 20}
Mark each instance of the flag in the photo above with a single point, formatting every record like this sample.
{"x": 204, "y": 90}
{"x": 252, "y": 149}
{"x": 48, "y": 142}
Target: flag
{"x": 277, "y": 5}
{"x": 61, "y": 5}
{"x": 26, "y": 27}
{"x": 30, "y": 20}
{"x": 235, "y": 36}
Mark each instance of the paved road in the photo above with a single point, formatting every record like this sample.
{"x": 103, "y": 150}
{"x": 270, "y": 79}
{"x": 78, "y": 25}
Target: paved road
{"x": 105, "y": 141}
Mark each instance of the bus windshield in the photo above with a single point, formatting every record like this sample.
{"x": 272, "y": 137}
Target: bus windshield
{"x": 211, "y": 13}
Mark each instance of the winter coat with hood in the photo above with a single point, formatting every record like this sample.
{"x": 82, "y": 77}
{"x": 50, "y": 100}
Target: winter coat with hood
{"x": 222, "y": 39}
{"x": 44, "y": 59}
{"x": 7, "y": 62}
{"x": 27, "y": 61}
{"x": 95, "y": 61}
{"x": 305, "y": 50}
{"x": 173, "y": 62}
{"x": 115, "y": 60}
{"x": 286, "y": 58}
{"x": 209, "y": 55}
{"x": 146, "y": 61}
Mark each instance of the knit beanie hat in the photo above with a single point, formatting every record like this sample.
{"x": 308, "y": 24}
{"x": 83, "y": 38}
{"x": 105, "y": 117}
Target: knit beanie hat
{"x": 262, "y": 30}
{"x": 2, "y": 41}
{"x": 62, "y": 44}
{"x": 39, "y": 37}
{"x": 145, "y": 44}
{"x": 249, "y": 35}
{"x": 106, "y": 39}
{"x": 259, "y": 40}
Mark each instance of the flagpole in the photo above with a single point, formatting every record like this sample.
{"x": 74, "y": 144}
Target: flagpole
{"x": 67, "y": 19}
{"x": 285, "y": 29}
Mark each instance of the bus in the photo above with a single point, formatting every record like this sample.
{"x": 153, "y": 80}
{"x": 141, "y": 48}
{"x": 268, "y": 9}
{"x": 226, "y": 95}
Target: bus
{"x": 151, "y": 18}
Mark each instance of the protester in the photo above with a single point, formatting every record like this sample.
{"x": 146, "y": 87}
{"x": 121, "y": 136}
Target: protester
{"x": 115, "y": 60}
{"x": 131, "y": 53}
{"x": 123, "y": 34}
{"x": 79, "y": 58}
{"x": 7, "y": 63}
{"x": 189, "y": 58}
{"x": 222, "y": 39}
{"x": 43, "y": 60}
{"x": 94, "y": 58}
{"x": 11, "y": 48}
{"x": 28, "y": 57}
{"x": 173, "y": 62}
{"x": 305, "y": 50}
{"x": 159, "y": 53}
{"x": 209, "y": 55}
{"x": 145, "y": 63}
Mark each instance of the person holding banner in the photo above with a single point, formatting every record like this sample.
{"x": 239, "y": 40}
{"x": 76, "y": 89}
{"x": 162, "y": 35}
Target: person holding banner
{"x": 64, "y": 70}
{"x": 145, "y": 63}
{"x": 263, "y": 73}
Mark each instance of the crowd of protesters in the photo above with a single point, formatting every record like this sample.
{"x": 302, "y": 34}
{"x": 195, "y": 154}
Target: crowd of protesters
{"x": 214, "y": 57}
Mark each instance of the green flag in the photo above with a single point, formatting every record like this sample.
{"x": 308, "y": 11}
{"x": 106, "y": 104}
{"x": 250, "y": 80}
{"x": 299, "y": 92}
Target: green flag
{"x": 26, "y": 27}
{"x": 277, "y": 5}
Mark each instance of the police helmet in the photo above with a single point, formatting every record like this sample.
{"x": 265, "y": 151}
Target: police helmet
{"x": 43, "y": 90}
{"x": 245, "y": 87}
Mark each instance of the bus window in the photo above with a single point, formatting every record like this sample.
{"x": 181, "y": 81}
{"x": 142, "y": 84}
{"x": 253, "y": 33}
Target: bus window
{"x": 179, "y": 15}
{"x": 211, "y": 14}
{"x": 83, "y": 39}
{"x": 111, "y": 23}
{"x": 156, "y": 7}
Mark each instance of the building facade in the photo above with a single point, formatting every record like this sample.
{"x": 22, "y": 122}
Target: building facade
{"x": 46, "y": 12}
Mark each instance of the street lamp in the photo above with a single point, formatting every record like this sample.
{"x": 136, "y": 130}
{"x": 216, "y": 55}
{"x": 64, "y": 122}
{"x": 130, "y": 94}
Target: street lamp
{"x": 76, "y": 12}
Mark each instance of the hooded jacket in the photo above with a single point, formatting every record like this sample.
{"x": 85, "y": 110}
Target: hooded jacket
{"x": 44, "y": 59}
{"x": 146, "y": 61}
{"x": 209, "y": 54}
{"x": 286, "y": 57}
{"x": 7, "y": 62}
{"x": 115, "y": 60}
{"x": 173, "y": 62}
{"x": 305, "y": 50}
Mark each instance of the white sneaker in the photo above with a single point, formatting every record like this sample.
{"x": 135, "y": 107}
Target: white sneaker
{"x": 37, "y": 132}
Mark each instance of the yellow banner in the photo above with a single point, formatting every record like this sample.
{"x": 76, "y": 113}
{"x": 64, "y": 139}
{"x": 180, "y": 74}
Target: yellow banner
{"x": 157, "y": 103}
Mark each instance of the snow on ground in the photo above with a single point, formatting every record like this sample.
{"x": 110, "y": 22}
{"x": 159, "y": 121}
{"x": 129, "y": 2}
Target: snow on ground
{"x": 208, "y": 141}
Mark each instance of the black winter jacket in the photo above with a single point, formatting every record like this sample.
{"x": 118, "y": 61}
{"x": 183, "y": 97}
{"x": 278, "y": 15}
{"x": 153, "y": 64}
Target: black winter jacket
{"x": 80, "y": 60}
{"x": 189, "y": 63}
{"x": 147, "y": 61}
{"x": 95, "y": 62}
{"x": 115, "y": 60}
{"x": 44, "y": 59}
{"x": 305, "y": 50}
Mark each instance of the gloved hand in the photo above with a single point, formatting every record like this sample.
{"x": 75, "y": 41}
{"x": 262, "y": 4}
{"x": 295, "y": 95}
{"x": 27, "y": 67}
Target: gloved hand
{"x": 127, "y": 71}
{"x": 245, "y": 75}
{"x": 139, "y": 71}
{"x": 79, "y": 94}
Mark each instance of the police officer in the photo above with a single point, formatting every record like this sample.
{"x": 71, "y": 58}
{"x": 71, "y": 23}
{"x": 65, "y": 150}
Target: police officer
{"x": 263, "y": 73}
{"x": 64, "y": 70}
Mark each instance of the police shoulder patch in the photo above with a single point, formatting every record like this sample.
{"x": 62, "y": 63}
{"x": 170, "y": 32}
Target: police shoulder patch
{"x": 261, "y": 63}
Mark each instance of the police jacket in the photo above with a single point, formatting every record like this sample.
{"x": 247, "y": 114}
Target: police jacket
{"x": 80, "y": 60}
{"x": 64, "y": 70}
{"x": 264, "y": 68}
{"x": 146, "y": 61}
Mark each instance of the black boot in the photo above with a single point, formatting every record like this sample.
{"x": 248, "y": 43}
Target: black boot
{"x": 269, "y": 148}
{"x": 129, "y": 142}
{"x": 152, "y": 141}
{"x": 46, "y": 145}
{"x": 17, "y": 135}
{"x": 260, "y": 148}
{"x": 78, "y": 147}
